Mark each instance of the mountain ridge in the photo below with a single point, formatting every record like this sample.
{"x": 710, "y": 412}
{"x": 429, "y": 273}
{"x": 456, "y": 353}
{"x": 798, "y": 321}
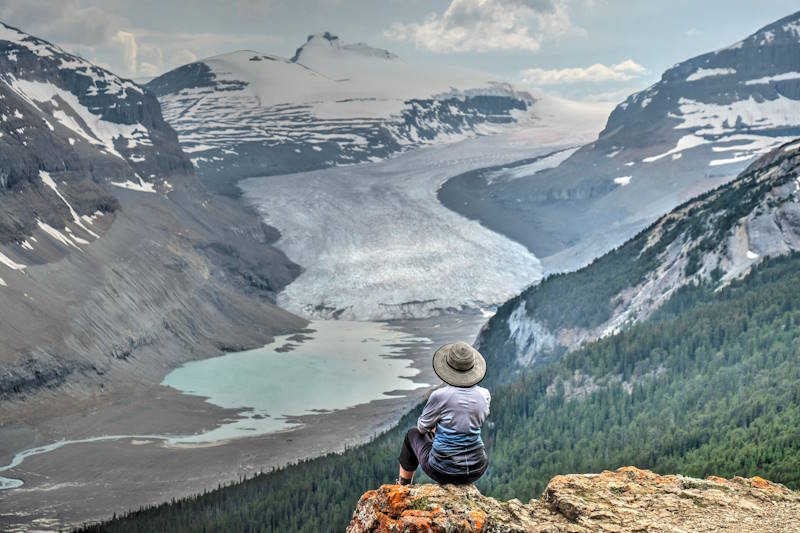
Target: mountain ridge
{"x": 241, "y": 115}
{"x": 717, "y": 237}
{"x": 97, "y": 199}
{"x": 695, "y": 129}
{"x": 91, "y": 129}
{"x": 334, "y": 42}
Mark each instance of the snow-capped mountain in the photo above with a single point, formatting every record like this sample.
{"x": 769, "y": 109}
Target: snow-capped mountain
{"x": 67, "y": 126}
{"x": 725, "y": 107}
{"x": 250, "y": 114}
{"x": 114, "y": 262}
{"x": 701, "y": 124}
{"x": 715, "y": 238}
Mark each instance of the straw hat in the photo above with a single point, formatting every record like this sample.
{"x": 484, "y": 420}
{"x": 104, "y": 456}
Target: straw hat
{"x": 459, "y": 364}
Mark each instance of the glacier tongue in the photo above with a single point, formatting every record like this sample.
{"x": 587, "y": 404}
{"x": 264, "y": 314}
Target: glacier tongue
{"x": 376, "y": 243}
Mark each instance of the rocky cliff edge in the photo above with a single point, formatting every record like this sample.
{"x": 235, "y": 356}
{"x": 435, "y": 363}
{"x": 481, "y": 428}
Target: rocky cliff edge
{"x": 628, "y": 499}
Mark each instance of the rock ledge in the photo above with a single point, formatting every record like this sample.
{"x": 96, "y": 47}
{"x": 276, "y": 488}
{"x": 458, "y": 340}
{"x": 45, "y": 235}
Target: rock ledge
{"x": 628, "y": 499}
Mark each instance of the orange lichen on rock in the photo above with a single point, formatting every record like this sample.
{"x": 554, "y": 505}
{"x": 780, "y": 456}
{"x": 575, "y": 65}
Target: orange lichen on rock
{"x": 762, "y": 484}
{"x": 398, "y": 508}
{"x": 396, "y": 498}
{"x": 477, "y": 518}
{"x": 628, "y": 499}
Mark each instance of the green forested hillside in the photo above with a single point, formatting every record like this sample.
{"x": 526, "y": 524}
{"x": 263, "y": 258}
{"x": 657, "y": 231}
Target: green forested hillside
{"x": 714, "y": 383}
{"x": 709, "y": 385}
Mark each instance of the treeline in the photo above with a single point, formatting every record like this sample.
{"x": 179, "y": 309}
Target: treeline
{"x": 709, "y": 385}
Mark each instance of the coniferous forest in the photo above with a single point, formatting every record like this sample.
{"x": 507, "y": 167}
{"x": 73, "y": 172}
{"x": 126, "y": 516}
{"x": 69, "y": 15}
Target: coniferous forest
{"x": 708, "y": 385}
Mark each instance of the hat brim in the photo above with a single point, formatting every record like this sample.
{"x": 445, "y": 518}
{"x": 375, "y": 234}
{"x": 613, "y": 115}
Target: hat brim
{"x": 458, "y": 378}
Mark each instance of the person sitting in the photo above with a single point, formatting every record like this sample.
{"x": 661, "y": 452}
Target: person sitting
{"x": 446, "y": 442}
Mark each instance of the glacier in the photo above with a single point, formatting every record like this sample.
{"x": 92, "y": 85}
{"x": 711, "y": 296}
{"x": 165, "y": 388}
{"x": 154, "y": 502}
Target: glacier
{"x": 376, "y": 243}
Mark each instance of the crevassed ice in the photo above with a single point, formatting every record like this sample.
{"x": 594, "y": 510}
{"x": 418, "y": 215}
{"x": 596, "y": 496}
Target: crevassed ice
{"x": 376, "y": 243}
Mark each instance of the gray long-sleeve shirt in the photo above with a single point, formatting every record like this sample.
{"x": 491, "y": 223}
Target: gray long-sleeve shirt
{"x": 457, "y": 413}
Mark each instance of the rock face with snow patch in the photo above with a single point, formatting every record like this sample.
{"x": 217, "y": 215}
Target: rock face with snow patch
{"x": 80, "y": 125}
{"x": 249, "y": 114}
{"x": 726, "y": 107}
{"x": 702, "y": 123}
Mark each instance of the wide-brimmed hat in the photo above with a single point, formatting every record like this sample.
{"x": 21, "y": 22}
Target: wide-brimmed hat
{"x": 459, "y": 364}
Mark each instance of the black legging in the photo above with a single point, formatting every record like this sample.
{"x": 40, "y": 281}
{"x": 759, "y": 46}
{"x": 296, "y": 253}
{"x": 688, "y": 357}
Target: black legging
{"x": 416, "y": 451}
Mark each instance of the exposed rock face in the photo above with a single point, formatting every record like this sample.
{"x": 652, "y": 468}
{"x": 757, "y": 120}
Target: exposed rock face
{"x": 628, "y": 499}
{"x": 83, "y": 126}
{"x": 160, "y": 287}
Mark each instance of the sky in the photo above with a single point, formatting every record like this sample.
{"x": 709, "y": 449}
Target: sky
{"x": 590, "y": 50}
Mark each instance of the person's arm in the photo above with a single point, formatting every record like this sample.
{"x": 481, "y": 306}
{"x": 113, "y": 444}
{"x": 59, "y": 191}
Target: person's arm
{"x": 430, "y": 414}
{"x": 488, "y": 397}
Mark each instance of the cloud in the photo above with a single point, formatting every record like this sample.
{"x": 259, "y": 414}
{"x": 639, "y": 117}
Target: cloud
{"x": 184, "y": 56}
{"x": 129, "y": 49}
{"x": 111, "y": 41}
{"x": 623, "y": 71}
{"x": 85, "y": 30}
{"x": 693, "y": 32}
{"x": 65, "y": 21}
{"x": 488, "y": 25}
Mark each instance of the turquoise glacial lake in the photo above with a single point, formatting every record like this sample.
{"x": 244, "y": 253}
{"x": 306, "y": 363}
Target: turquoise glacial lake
{"x": 339, "y": 365}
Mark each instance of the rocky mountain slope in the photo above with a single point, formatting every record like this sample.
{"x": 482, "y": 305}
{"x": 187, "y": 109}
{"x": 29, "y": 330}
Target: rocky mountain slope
{"x": 115, "y": 265}
{"x": 627, "y": 499}
{"x": 715, "y": 238}
{"x": 66, "y": 127}
{"x": 702, "y": 123}
{"x": 250, "y": 114}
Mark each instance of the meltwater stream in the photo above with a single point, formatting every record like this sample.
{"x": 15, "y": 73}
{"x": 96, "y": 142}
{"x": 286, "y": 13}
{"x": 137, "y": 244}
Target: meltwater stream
{"x": 338, "y": 364}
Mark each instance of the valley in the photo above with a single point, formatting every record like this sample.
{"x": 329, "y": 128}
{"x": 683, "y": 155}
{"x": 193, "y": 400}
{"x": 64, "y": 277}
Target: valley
{"x": 155, "y": 432}
{"x": 224, "y": 285}
{"x": 165, "y": 434}
{"x": 699, "y": 377}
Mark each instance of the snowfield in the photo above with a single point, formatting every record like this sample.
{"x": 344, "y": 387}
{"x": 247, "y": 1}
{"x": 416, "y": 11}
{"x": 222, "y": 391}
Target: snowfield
{"x": 376, "y": 243}
{"x": 353, "y": 95}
